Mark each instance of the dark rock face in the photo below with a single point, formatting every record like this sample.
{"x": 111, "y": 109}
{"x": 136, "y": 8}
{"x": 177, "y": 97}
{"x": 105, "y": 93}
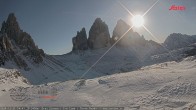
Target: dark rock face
{"x": 16, "y": 44}
{"x": 120, "y": 28}
{"x": 80, "y": 41}
{"x": 99, "y": 36}
{"x": 191, "y": 52}
{"x": 11, "y": 27}
{"x": 24, "y": 40}
{"x": 129, "y": 38}
{"x": 6, "y": 51}
{"x": 177, "y": 40}
{"x": 5, "y": 43}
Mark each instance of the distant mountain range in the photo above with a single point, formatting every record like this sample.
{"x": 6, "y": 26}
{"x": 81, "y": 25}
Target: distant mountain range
{"x": 18, "y": 50}
{"x": 99, "y": 37}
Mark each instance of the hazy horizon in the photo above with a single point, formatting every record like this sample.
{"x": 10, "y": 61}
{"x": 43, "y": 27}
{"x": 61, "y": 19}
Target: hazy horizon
{"x": 56, "y": 22}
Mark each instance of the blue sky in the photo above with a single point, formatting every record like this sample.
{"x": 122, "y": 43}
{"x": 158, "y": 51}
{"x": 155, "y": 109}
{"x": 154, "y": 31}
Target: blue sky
{"x": 53, "y": 23}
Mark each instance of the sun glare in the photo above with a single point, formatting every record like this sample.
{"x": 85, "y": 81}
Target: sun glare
{"x": 137, "y": 21}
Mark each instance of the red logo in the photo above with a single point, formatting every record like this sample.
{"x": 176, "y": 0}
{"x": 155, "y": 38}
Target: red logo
{"x": 48, "y": 97}
{"x": 174, "y": 7}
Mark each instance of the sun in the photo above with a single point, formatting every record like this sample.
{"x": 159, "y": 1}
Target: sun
{"x": 137, "y": 21}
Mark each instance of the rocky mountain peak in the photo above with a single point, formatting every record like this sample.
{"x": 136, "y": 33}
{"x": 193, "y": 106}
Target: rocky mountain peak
{"x": 122, "y": 23}
{"x": 99, "y": 36}
{"x": 80, "y": 41}
{"x": 98, "y": 20}
{"x": 120, "y": 29}
{"x": 11, "y": 19}
{"x": 11, "y": 26}
{"x": 16, "y": 44}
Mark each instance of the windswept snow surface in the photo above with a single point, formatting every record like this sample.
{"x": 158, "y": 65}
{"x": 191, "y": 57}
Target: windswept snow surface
{"x": 164, "y": 86}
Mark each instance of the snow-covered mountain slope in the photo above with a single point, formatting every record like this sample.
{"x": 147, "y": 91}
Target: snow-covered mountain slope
{"x": 165, "y": 86}
{"x": 54, "y": 68}
{"x": 73, "y": 66}
{"x": 10, "y": 78}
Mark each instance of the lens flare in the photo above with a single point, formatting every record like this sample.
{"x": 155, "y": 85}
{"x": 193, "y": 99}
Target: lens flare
{"x": 137, "y": 21}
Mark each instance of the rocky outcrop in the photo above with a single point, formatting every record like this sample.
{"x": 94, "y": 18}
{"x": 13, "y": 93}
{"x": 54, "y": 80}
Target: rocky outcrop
{"x": 5, "y": 43}
{"x": 24, "y": 40}
{"x": 16, "y": 44}
{"x": 80, "y": 41}
{"x": 11, "y": 27}
{"x": 99, "y": 36}
{"x": 177, "y": 40}
{"x": 120, "y": 28}
{"x": 129, "y": 38}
